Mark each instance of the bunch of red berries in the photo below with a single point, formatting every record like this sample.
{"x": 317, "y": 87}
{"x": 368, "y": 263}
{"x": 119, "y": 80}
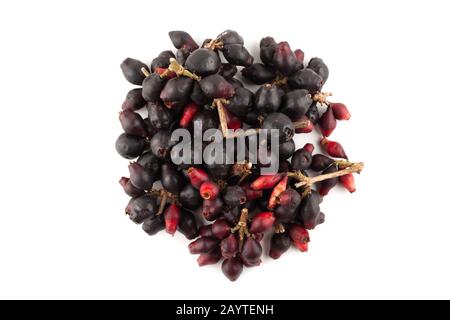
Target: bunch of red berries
{"x": 229, "y": 205}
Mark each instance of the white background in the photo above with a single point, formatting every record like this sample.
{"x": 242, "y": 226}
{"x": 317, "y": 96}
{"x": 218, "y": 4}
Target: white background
{"x": 63, "y": 233}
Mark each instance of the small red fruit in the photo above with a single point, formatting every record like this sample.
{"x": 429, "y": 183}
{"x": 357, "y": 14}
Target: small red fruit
{"x": 203, "y": 245}
{"x": 334, "y": 148}
{"x": 233, "y": 122}
{"x": 299, "y": 236}
{"x": 197, "y": 176}
{"x": 279, "y": 188}
{"x": 266, "y": 181}
{"x": 189, "y": 112}
{"x": 340, "y": 111}
{"x": 309, "y": 147}
{"x": 327, "y": 122}
{"x": 348, "y": 182}
{"x": 309, "y": 128}
{"x": 172, "y": 218}
{"x": 209, "y": 258}
{"x": 229, "y": 246}
{"x": 262, "y": 222}
{"x": 209, "y": 190}
{"x": 232, "y": 268}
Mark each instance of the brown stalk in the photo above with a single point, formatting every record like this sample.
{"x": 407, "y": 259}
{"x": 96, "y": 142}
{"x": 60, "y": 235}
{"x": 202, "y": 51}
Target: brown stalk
{"x": 309, "y": 181}
{"x": 241, "y": 228}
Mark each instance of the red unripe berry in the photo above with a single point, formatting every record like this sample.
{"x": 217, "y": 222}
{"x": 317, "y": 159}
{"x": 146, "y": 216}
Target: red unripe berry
{"x": 203, "y": 245}
{"x": 299, "y": 236}
{"x": 189, "y": 112}
{"x": 327, "y": 122}
{"x": 233, "y": 122}
{"x": 279, "y": 188}
{"x": 266, "y": 181}
{"x": 309, "y": 128}
{"x": 229, "y": 246}
{"x": 334, "y": 148}
{"x": 348, "y": 182}
{"x": 197, "y": 176}
{"x": 251, "y": 250}
{"x": 209, "y": 258}
{"x": 340, "y": 111}
{"x": 232, "y": 268}
{"x": 209, "y": 190}
{"x": 302, "y": 246}
{"x": 172, "y": 218}
{"x": 262, "y": 222}
{"x": 309, "y": 147}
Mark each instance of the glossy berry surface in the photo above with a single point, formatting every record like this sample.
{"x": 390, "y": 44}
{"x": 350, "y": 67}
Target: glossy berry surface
{"x": 131, "y": 69}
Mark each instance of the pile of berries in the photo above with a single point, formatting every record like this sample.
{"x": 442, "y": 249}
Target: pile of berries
{"x": 228, "y": 207}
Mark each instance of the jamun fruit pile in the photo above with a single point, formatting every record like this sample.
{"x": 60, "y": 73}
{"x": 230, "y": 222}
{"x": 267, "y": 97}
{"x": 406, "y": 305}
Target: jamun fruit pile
{"x": 227, "y": 209}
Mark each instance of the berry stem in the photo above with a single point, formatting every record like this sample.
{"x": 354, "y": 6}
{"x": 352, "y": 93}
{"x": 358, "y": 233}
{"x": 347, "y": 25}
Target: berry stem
{"x": 174, "y": 66}
{"x": 162, "y": 204}
{"x": 243, "y": 169}
{"x": 214, "y": 44}
{"x": 308, "y": 182}
{"x": 222, "y": 117}
{"x": 279, "y": 81}
{"x": 145, "y": 72}
{"x": 301, "y": 124}
{"x": 165, "y": 196}
{"x": 321, "y": 97}
{"x": 279, "y": 228}
{"x": 241, "y": 228}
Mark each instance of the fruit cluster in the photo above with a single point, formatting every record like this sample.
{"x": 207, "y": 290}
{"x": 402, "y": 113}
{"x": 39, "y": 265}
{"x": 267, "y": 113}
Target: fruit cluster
{"x": 229, "y": 207}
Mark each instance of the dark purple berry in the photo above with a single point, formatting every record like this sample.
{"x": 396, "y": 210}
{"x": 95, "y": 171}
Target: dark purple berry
{"x": 259, "y": 73}
{"x": 301, "y": 160}
{"x": 134, "y": 100}
{"x": 284, "y": 59}
{"x": 161, "y": 144}
{"x": 268, "y": 99}
{"x": 237, "y": 54}
{"x": 306, "y": 79}
{"x": 162, "y": 60}
{"x": 203, "y": 62}
{"x": 131, "y": 69}
{"x": 215, "y": 86}
{"x": 183, "y": 40}
{"x": 129, "y": 146}
{"x": 159, "y": 115}
{"x": 187, "y": 225}
{"x": 296, "y": 103}
{"x": 190, "y": 197}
